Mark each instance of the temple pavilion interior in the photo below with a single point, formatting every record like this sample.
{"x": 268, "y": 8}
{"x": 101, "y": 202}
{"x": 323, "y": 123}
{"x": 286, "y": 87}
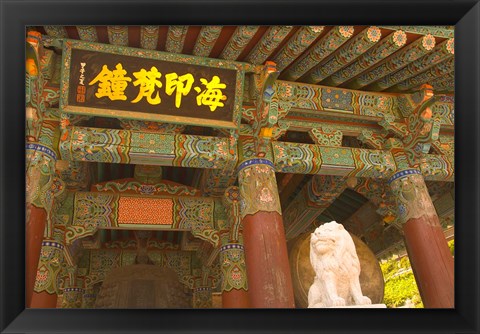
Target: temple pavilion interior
{"x": 209, "y": 203}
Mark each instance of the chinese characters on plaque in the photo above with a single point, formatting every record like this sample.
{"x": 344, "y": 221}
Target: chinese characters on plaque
{"x": 120, "y": 83}
{"x": 112, "y": 84}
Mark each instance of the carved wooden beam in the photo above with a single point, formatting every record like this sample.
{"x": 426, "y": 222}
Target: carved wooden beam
{"x": 403, "y": 57}
{"x": 206, "y": 40}
{"x": 345, "y": 54}
{"x": 437, "y": 31}
{"x": 149, "y": 37}
{"x": 269, "y": 42}
{"x": 238, "y": 42}
{"x": 441, "y": 52}
{"x": 437, "y": 71}
{"x": 175, "y": 38}
{"x": 56, "y": 31}
{"x": 298, "y": 43}
{"x": 135, "y": 147}
{"x": 322, "y": 49}
{"x": 87, "y": 33}
{"x": 331, "y": 160}
{"x": 93, "y": 211}
{"x": 118, "y": 35}
{"x": 384, "y": 48}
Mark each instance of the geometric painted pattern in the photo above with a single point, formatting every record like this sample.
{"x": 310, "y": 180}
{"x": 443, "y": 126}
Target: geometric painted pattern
{"x": 135, "y": 210}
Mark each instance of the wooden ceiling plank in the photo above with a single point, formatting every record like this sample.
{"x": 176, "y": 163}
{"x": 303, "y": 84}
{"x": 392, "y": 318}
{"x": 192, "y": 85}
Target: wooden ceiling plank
{"x": 239, "y": 40}
{"x": 175, "y": 38}
{"x": 345, "y": 54}
{"x": 382, "y": 49}
{"x": 299, "y": 42}
{"x": 206, "y": 40}
{"x": 269, "y": 42}
{"x": 149, "y": 37}
{"x": 322, "y": 49}
{"x": 87, "y": 33}
{"x": 118, "y": 35}
{"x": 441, "y": 52}
{"x": 398, "y": 60}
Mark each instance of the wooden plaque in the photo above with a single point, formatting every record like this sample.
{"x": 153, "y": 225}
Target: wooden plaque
{"x": 122, "y": 82}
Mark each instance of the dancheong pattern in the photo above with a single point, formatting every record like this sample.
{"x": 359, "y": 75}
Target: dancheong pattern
{"x": 101, "y": 210}
{"x": 366, "y": 127}
{"x": 344, "y": 161}
{"x": 322, "y": 49}
{"x": 233, "y": 267}
{"x": 123, "y": 146}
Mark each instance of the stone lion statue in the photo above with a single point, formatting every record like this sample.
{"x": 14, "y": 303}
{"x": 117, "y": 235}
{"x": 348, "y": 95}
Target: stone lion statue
{"x": 337, "y": 269}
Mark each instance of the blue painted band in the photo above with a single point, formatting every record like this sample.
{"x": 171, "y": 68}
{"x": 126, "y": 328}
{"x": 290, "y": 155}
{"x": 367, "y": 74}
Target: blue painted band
{"x": 231, "y": 246}
{"x": 41, "y": 148}
{"x": 404, "y": 173}
{"x": 256, "y": 161}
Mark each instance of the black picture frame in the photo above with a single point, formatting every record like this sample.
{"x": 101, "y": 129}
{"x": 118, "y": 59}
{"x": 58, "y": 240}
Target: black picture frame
{"x": 15, "y": 15}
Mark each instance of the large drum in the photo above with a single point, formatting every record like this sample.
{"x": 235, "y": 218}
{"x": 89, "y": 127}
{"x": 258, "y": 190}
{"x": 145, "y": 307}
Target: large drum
{"x": 371, "y": 277}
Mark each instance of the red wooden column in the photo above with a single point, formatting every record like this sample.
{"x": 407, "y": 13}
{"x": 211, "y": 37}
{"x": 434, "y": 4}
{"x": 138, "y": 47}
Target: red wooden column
{"x": 266, "y": 257}
{"x": 43, "y": 300}
{"x": 202, "y": 292}
{"x": 40, "y": 172}
{"x": 34, "y": 229}
{"x": 430, "y": 257}
{"x": 45, "y": 292}
{"x": 234, "y": 280}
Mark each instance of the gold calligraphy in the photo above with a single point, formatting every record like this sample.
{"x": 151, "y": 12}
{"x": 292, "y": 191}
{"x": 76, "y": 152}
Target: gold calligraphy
{"x": 113, "y": 84}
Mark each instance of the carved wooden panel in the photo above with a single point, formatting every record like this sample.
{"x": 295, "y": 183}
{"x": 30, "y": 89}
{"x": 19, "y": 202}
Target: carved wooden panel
{"x": 142, "y": 286}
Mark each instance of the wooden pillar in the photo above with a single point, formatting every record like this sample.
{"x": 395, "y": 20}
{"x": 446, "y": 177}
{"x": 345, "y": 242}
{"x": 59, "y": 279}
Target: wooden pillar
{"x": 430, "y": 257}
{"x": 72, "y": 297}
{"x": 43, "y": 300}
{"x": 89, "y": 298}
{"x": 234, "y": 276}
{"x": 34, "y": 230}
{"x": 266, "y": 257}
{"x": 45, "y": 291}
{"x": 40, "y": 192}
{"x": 202, "y": 297}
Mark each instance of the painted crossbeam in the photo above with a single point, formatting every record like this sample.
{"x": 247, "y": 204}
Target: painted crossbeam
{"x": 93, "y": 211}
{"x": 136, "y": 147}
{"x": 341, "y": 161}
{"x": 351, "y": 162}
{"x": 311, "y": 100}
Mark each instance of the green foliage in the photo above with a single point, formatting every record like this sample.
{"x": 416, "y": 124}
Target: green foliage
{"x": 400, "y": 285}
